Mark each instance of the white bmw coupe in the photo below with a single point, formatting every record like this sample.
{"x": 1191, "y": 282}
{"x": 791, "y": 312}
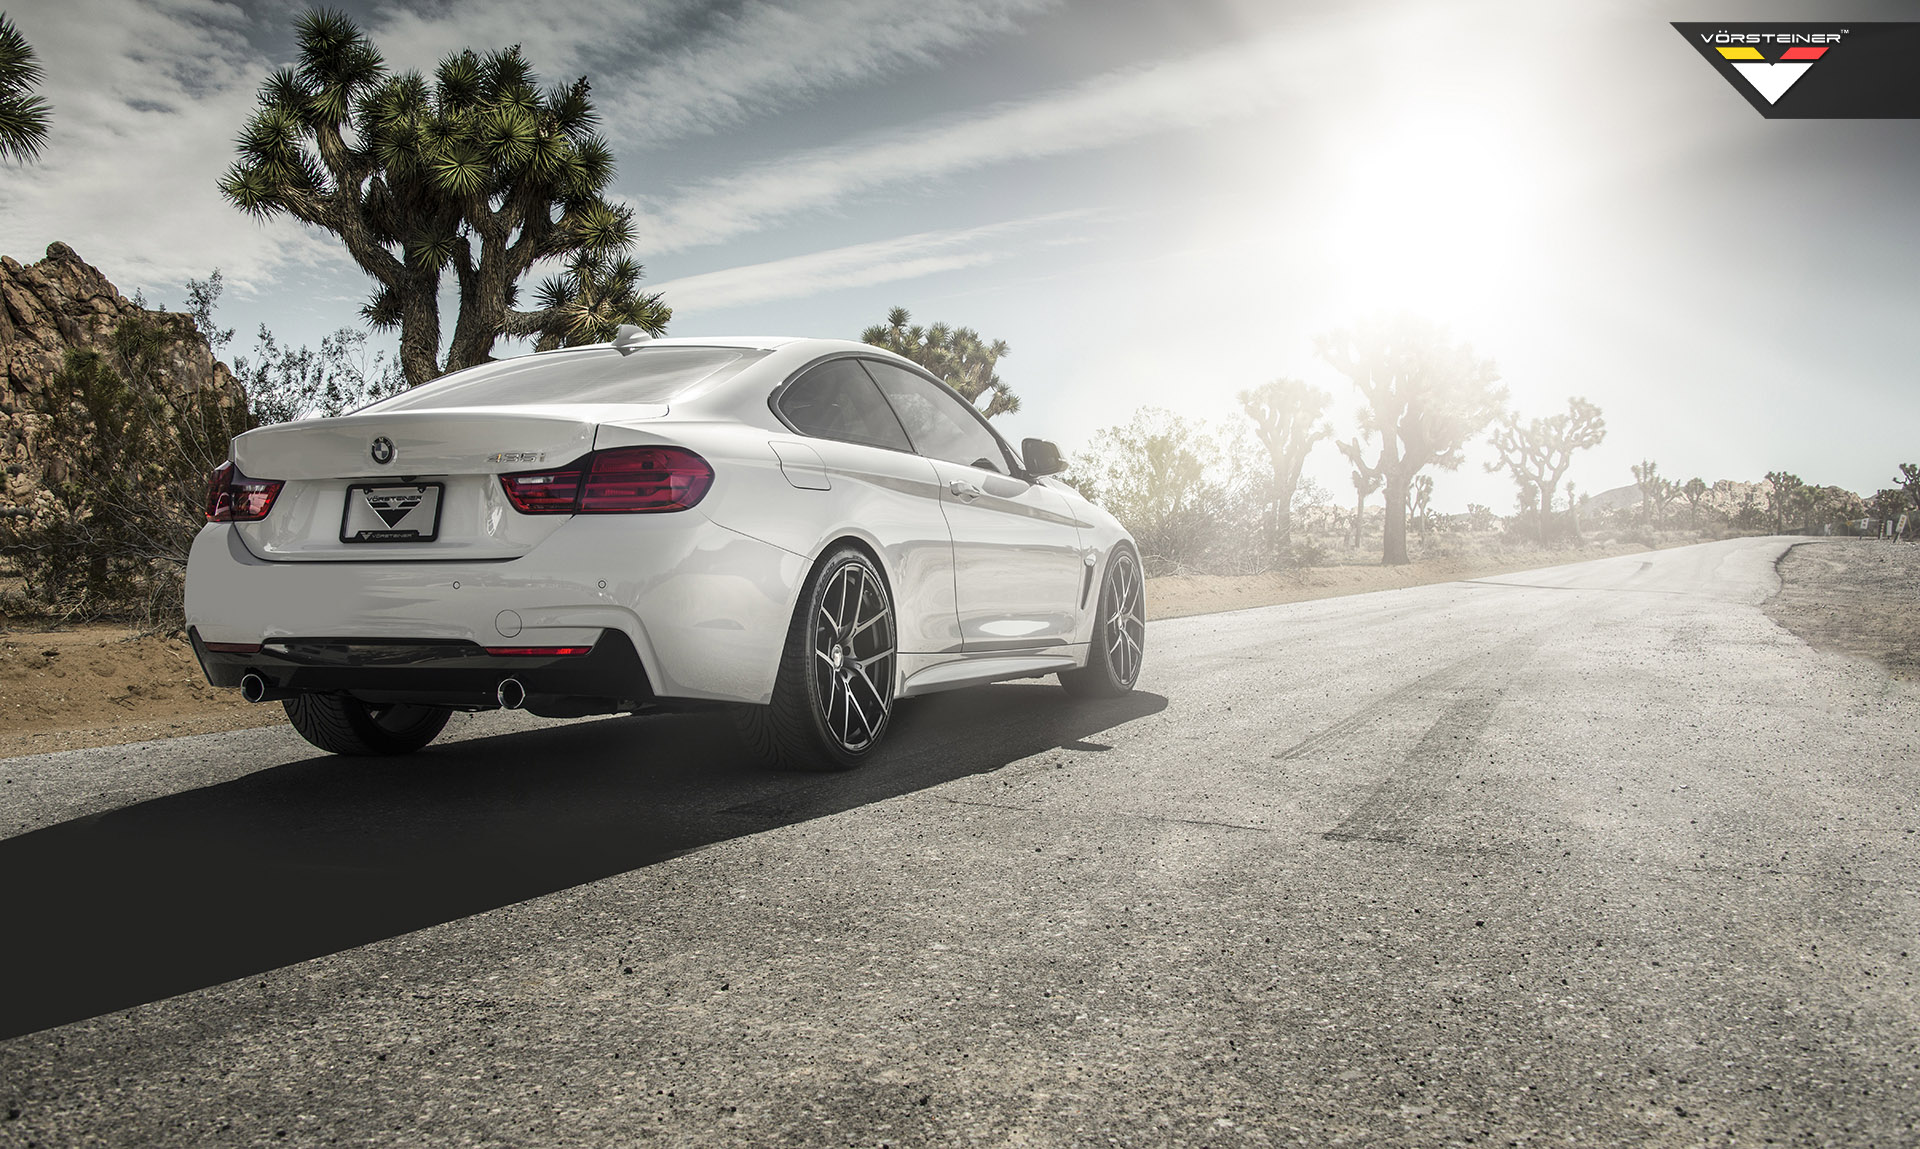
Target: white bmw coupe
{"x": 809, "y": 529}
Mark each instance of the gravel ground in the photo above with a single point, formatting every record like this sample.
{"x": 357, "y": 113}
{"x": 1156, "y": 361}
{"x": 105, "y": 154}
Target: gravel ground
{"x": 1855, "y": 596}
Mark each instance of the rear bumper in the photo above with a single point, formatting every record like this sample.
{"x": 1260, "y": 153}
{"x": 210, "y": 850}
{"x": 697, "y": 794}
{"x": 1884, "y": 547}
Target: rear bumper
{"x": 703, "y": 609}
{"x": 607, "y": 679}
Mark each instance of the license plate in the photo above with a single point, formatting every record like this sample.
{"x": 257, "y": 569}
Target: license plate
{"x": 405, "y": 513}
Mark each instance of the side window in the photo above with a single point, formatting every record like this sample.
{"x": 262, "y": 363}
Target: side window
{"x": 938, "y": 421}
{"x": 837, "y": 400}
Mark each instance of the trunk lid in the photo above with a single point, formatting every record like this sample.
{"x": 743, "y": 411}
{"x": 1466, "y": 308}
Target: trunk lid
{"x": 436, "y": 495}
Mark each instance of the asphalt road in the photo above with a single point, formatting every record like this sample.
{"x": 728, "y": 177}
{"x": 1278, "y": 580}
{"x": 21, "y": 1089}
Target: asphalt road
{"x": 1590, "y": 855}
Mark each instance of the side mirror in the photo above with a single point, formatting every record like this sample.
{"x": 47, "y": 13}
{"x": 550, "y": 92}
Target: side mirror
{"x": 1041, "y": 457}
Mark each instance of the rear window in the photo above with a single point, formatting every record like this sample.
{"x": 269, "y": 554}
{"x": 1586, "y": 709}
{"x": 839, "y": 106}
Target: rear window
{"x": 649, "y": 375}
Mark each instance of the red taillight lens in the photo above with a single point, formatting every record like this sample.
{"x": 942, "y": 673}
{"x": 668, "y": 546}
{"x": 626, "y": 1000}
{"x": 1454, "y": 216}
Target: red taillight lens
{"x": 619, "y": 480}
{"x": 630, "y": 479}
{"x": 543, "y": 492}
{"x": 532, "y": 651}
{"x": 234, "y": 498}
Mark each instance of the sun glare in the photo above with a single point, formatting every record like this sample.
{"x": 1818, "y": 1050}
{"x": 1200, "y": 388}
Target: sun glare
{"x": 1430, "y": 213}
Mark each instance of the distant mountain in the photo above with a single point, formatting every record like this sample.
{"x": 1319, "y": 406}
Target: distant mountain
{"x": 1619, "y": 498}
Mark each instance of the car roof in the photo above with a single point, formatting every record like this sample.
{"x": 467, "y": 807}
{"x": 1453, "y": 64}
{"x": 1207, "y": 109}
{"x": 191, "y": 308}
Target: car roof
{"x": 758, "y": 342}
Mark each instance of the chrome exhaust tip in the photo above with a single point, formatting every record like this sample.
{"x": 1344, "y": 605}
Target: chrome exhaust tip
{"x": 510, "y": 694}
{"x": 253, "y": 688}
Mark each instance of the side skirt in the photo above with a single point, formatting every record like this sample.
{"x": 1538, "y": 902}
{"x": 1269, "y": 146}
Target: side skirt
{"x": 927, "y": 673}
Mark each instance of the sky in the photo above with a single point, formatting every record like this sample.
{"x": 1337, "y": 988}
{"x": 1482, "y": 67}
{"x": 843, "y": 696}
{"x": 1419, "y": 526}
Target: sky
{"x": 1152, "y": 203}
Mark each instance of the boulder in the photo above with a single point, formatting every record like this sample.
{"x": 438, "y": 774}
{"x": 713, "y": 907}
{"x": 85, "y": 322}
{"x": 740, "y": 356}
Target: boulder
{"x": 63, "y": 302}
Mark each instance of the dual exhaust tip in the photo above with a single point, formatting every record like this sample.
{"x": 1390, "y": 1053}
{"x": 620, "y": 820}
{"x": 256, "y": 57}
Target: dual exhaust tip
{"x": 511, "y": 694}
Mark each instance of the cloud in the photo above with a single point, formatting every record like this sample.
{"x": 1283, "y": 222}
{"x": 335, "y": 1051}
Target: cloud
{"x": 146, "y": 96}
{"x": 859, "y": 265}
{"x": 1213, "y": 86}
{"x": 667, "y": 69}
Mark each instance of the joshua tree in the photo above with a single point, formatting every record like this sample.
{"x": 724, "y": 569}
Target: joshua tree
{"x": 23, "y": 117}
{"x": 478, "y": 170}
{"x": 1366, "y": 481}
{"x": 1425, "y": 395}
{"x": 957, "y": 355}
{"x": 1695, "y": 491}
{"x": 1664, "y": 493}
{"x": 1909, "y": 482}
{"x": 1888, "y": 505}
{"x": 1420, "y": 503}
{"x": 587, "y": 304}
{"x": 1286, "y": 416}
{"x": 1538, "y": 454}
{"x": 1655, "y": 492}
{"x": 1786, "y": 498}
{"x": 1646, "y": 476}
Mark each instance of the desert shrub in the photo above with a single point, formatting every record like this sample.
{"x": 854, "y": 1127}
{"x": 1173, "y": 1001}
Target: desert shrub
{"x": 285, "y": 383}
{"x": 1308, "y": 554}
{"x": 1158, "y": 475}
{"x": 1198, "y": 499}
{"x": 125, "y": 473}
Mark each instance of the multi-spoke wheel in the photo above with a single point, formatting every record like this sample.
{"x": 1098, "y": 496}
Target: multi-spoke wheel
{"x": 834, "y": 692}
{"x": 342, "y": 724}
{"x": 1119, "y": 633}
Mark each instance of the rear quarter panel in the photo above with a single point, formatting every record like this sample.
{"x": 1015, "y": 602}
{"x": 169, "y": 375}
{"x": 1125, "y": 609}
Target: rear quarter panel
{"x": 886, "y": 500}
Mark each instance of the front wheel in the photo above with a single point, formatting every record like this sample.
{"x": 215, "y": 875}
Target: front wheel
{"x": 342, "y": 724}
{"x": 1119, "y": 634}
{"x": 833, "y": 694}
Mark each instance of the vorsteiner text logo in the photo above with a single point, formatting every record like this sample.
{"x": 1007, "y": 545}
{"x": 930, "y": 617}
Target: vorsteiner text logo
{"x": 1865, "y": 68}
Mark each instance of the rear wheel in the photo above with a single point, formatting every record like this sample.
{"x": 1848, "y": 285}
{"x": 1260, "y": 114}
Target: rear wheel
{"x": 834, "y": 691}
{"x": 342, "y": 724}
{"x": 1119, "y": 634}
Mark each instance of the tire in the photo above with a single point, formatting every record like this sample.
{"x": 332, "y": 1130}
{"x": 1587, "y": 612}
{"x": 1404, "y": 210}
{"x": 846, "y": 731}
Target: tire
{"x": 1119, "y": 633}
{"x": 833, "y": 694}
{"x": 342, "y": 724}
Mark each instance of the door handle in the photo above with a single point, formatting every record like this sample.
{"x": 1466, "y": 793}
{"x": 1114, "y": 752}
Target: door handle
{"x": 963, "y": 490}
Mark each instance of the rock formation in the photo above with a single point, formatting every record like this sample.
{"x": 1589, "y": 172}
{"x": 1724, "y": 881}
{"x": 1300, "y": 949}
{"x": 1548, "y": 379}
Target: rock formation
{"x": 63, "y": 302}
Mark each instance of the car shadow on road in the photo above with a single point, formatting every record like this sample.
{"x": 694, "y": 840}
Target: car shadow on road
{"x": 312, "y": 857}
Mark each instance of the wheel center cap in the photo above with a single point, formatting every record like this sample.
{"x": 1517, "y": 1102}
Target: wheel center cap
{"x": 837, "y": 656}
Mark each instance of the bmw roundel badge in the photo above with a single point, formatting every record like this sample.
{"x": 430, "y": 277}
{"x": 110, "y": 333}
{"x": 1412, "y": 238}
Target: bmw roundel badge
{"x": 383, "y": 450}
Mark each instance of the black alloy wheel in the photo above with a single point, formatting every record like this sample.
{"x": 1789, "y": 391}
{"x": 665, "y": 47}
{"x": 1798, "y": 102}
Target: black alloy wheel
{"x": 1119, "y": 633}
{"x": 834, "y": 692}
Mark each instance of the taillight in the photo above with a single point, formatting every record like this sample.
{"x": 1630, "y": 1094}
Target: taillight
{"x": 543, "y": 492}
{"x": 234, "y": 498}
{"x": 619, "y": 480}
